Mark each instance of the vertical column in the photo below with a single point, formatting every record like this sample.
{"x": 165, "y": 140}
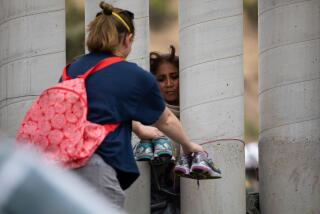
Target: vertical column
{"x": 289, "y": 51}
{"x": 138, "y": 195}
{"x": 32, "y": 54}
{"x": 211, "y": 92}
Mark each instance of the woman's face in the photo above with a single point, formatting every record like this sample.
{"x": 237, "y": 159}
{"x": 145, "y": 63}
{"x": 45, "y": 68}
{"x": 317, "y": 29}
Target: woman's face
{"x": 167, "y": 76}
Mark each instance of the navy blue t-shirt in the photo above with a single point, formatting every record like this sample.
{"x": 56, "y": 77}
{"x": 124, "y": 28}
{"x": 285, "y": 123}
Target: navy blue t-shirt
{"x": 119, "y": 93}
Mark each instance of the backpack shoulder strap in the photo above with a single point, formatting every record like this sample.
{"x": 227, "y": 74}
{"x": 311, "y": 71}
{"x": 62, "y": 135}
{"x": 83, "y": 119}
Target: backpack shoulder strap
{"x": 111, "y": 127}
{"x": 100, "y": 65}
{"x": 64, "y": 73}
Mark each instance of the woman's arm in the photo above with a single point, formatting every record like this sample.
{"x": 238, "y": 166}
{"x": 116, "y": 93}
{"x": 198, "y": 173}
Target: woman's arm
{"x": 169, "y": 124}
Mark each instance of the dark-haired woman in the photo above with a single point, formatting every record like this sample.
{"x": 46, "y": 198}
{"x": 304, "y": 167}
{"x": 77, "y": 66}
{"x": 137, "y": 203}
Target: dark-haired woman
{"x": 165, "y": 68}
{"x": 159, "y": 150}
{"x": 120, "y": 93}
{"x": 164, "y": 185}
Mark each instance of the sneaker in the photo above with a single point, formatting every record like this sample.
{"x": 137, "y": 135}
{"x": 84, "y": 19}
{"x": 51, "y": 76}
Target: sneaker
{"x": 162, "y": 147}
{"x": 203, "y": 167}
{"x": 144, "y": 151}
{"x": 182, "y": 167}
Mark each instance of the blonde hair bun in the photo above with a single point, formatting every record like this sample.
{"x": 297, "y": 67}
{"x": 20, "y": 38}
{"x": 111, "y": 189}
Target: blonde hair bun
{"x": 107, "y": 8}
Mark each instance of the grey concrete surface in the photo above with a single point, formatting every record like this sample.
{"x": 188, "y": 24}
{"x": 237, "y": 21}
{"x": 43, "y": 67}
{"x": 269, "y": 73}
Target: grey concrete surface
{"x": 32, "y": 54}
{"x": 138, "y": 195}
{"x": 289, "y": 77}
{"x": 222, "y": 195}
{"x": 211, "y": 91}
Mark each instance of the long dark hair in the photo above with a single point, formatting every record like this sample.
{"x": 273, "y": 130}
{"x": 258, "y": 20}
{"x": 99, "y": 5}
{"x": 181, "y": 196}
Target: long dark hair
{"x": 157, "y": 59}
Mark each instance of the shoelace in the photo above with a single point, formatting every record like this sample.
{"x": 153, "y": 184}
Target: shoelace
{"x": 205, "y": 158}
{"x": 184, "y": 158}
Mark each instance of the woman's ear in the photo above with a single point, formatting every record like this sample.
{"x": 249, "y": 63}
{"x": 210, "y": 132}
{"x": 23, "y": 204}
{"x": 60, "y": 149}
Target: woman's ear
{"x": 128, "y": 39}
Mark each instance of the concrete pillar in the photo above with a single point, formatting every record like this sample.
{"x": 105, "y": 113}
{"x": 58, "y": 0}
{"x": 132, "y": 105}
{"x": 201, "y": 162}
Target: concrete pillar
{"x": 211, "y": 89}
{"x": 138, "y": 195}
{"x": 289, "y": 51}
{"x": 32, "y": 54}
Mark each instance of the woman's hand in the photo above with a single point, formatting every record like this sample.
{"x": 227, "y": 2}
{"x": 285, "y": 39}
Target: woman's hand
{"x": 192, "y": 147}
{"x": 149, "y": 132}
{"x": 146, "y": 132}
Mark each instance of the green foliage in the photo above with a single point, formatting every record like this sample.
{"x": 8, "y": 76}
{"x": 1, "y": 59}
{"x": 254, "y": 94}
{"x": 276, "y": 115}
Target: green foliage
{"x": 158, "y": 6}
{"x": 75, "y": 30}
{"x": 251, "y": 8}
{"x": 160, "y": 14}
{"x": 251, "y": 132}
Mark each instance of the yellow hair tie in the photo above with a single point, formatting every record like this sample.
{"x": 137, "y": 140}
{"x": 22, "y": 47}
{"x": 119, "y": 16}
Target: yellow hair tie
{"x": 122, "y": 20}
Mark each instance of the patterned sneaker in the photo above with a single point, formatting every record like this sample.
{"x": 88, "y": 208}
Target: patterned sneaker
{"x": 182, "y": 167}
{"x": 162, "y": 147}
{"x": 203, "y": 167}
{"x": 144, "y": 151}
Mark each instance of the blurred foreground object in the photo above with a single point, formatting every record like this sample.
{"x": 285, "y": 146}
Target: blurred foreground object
{"x": 252, "y": 178}
{"x": 30, "y": 186}
{"x": 251, "y": 155}
{"x": 252, "y": 167}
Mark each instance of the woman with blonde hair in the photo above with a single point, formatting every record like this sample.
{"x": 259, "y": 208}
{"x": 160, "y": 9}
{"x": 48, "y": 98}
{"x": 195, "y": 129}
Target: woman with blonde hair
{"x": 120, "y": 93}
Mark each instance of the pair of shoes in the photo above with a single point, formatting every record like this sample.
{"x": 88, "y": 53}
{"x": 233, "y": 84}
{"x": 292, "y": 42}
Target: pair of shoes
{"x": 197, "y": 166}
{"x": 143, "y": 151}
{"x": 147, "y": 150}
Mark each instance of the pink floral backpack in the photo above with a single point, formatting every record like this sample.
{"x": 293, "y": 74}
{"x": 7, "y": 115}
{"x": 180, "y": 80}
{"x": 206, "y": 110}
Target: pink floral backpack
{"x": 57, "y": 124}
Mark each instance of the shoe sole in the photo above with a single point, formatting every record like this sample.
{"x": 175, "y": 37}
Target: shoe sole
{"x": 203, "y": 172}
{"x": 163, "y": 153}
{"x": 144, "y": 158}
{"x": 181, "y": 171}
